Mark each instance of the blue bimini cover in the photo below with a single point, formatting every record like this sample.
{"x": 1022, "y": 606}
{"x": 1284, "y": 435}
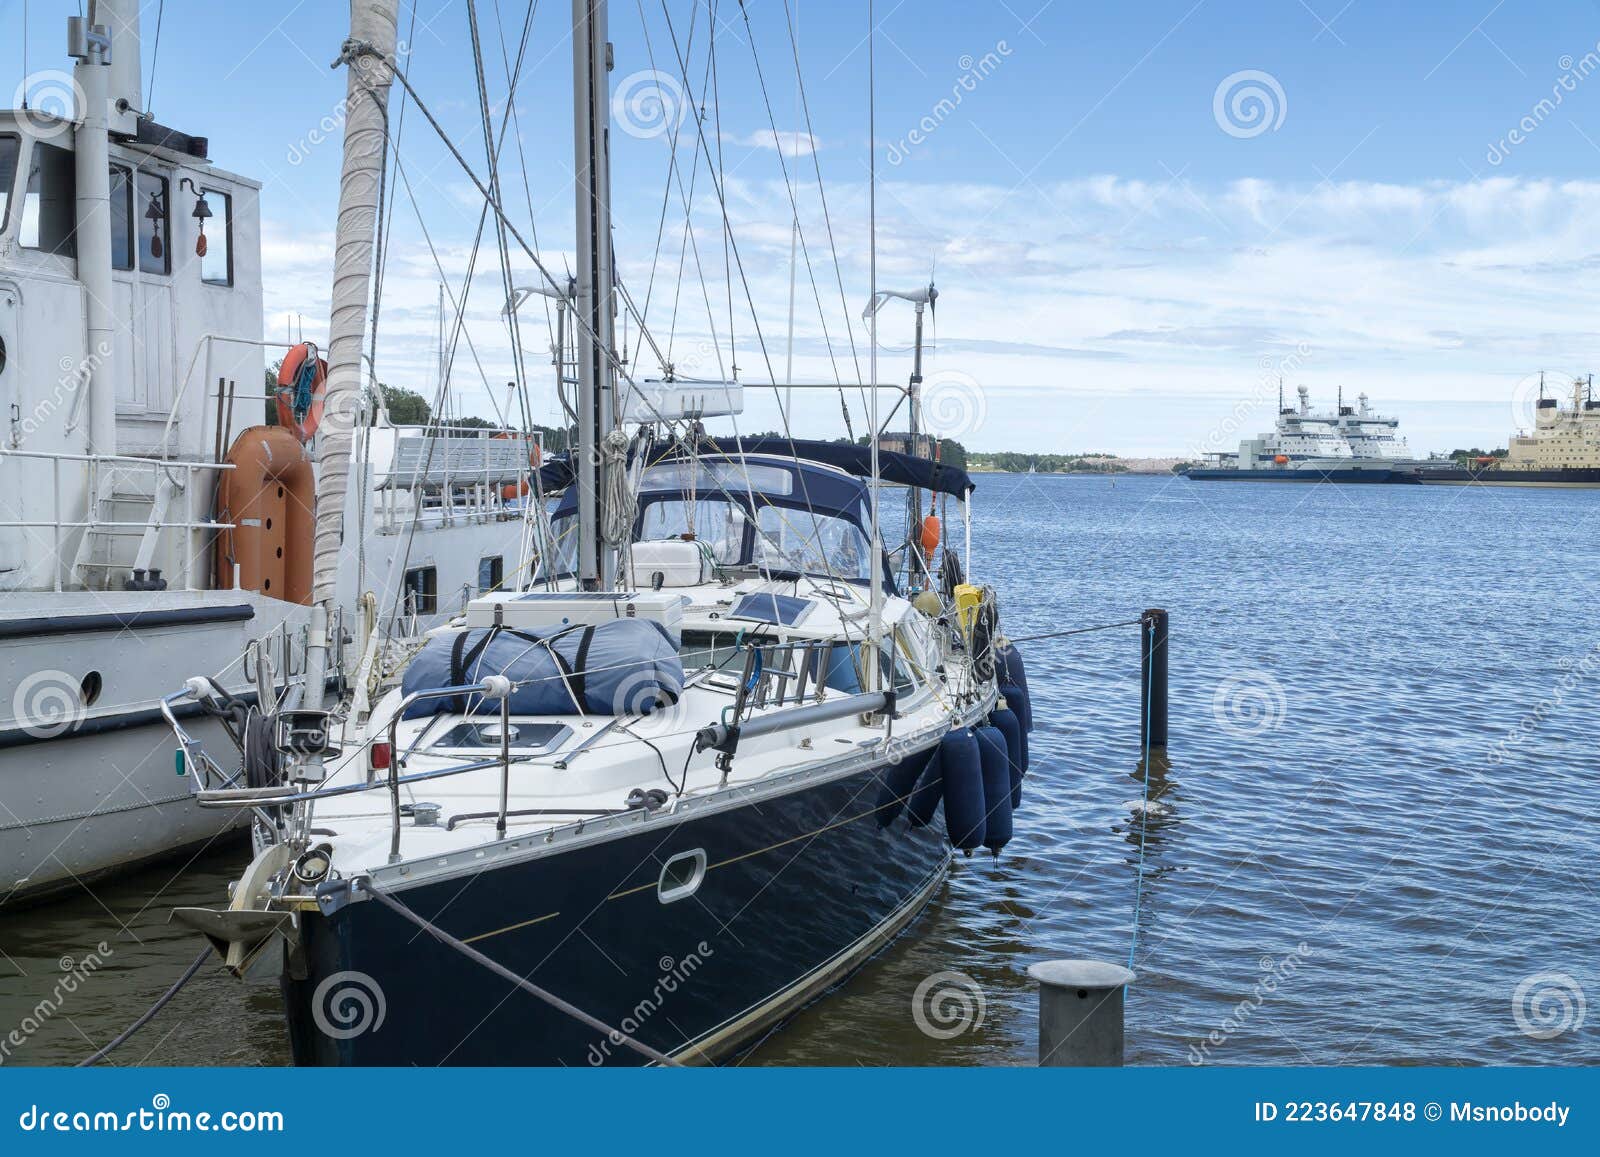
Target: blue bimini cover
{"x": 622, "y": 667}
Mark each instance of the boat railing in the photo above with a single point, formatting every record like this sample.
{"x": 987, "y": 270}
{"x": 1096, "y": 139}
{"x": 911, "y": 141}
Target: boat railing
{"x": 169, "y": 479}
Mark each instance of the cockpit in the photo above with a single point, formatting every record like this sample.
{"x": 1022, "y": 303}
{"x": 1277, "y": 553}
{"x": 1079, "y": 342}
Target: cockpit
{"x": 767, "y": 514}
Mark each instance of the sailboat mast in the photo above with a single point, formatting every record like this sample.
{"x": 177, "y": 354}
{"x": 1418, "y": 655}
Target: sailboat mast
{"x": 591, "y": 64}
{"x": 373, "y": 26}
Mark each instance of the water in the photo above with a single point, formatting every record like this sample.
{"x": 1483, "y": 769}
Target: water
{"x": 1378, "y": 821}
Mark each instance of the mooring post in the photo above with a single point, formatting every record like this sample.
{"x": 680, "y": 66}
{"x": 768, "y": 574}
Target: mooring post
{"x": 1153, "y": 680}
{"x": 1080, "y": 1013}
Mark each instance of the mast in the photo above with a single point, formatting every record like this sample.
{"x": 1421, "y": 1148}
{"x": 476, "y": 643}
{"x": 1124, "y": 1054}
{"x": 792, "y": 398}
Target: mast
{"x": 372, "y": 30}
{"x": 874, "y": 662}
{"x": 591, "y": 62}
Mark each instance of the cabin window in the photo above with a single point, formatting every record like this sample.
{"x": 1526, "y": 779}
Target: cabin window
{"x": 122, "y": 233}
{"x": 49, "y": 205}
{"x": 799, "y": 540}
{"x": 491, "y": 573}
{"x": 151, "y": 215}
{"x": 216, "y": 266}
{"x": 10, "y": 146}
{"x": 422, "y": 590}
{"x": 713, "y": 521}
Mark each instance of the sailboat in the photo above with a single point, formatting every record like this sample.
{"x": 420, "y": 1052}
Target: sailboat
{"x": 641, "y": 808}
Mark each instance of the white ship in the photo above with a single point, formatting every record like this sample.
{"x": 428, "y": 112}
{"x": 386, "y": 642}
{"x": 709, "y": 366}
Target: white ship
{"x": 136, "y": 545}
{"x": 1352, "y": 444}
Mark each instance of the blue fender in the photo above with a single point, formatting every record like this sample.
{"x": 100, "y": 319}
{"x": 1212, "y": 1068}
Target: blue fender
{"x": 1005, "y": 721}
{"x": 995, "y": 764}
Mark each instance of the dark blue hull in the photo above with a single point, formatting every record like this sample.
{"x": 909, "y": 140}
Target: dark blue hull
{"x": 1377, "y": 475}
{"x": 798, "y": 889}
{"x": 1497, "y": 476}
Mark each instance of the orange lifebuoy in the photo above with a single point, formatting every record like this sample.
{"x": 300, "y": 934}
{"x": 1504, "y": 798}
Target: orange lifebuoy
{"x": 302, "y": 426}
{"x": 514, "y": 490}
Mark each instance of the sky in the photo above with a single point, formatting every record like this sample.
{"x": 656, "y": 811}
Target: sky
{"x": 1139, "y": 217}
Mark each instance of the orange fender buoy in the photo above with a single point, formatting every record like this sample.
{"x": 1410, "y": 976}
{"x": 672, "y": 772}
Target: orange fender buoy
{"x": 511, "y": 491}
{"x": 302, "y": 426}
{"x": 270, "y": 497}
{"x": 930, "y": 534}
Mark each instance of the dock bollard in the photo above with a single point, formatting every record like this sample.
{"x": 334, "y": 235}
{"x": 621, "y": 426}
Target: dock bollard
{"x": 1153, "y": 680}
{"x": 1080, "y": 1013}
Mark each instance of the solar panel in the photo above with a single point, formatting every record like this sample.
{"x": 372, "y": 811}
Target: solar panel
{"x": 785, "y": 610}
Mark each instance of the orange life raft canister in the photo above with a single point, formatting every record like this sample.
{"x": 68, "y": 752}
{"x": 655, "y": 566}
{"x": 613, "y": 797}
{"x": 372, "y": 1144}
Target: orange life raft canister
{"x": 269, "y": 496}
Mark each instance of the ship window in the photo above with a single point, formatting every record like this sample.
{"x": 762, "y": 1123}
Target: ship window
{"x": 216, "y": 267}
{"x": 422, "y": 590}
{"x": 801, "y": 540}
{"x": 49, "y": 205}
{"x": 151, "y": 216}
{"x": 121, "y": 218}
{"x": 717, "y": 523}
{"x": 10, "y": 146}
{"x": 491, "y": 573}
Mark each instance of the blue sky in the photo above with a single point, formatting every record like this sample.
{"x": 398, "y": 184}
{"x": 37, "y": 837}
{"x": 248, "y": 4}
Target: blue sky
{"x": 1125, "y": 261}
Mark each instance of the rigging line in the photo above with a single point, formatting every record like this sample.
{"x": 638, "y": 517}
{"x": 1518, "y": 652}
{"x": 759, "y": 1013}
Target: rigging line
{"x": 149, "y": 1014}
{"x": 822, "y": 193}
{"x": 155, "y": 60}
{"x": 672, "y": 161}
{"x": 521, "y": 982}
{"x": 516, "y": 118}
{"x": 727, "y": 226}
{"x": 794, "y": 204}
{"x": 875, "y": 544}
{"x": 491, "y": 152}
{"x": 722, "y": 204}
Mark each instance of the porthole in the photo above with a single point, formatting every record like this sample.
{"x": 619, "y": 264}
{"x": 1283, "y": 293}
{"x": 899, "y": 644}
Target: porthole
{"x": 90, "y": 688}
{"x": 681, "y": 876}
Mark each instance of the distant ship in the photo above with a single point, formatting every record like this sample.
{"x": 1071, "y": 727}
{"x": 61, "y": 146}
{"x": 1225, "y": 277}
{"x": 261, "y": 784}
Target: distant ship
{"x": 1352, "y": 444}
{"x": 1562, "y": 450}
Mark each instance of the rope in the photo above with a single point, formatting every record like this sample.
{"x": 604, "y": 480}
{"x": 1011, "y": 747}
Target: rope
{"x": 150, "y": 1013}
{"x": 1078, "y": 631}
{"x": 527, "y": 986}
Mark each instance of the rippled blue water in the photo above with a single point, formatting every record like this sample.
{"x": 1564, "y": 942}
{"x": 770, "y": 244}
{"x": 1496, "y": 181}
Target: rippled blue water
{"x": 1378, "y": 821}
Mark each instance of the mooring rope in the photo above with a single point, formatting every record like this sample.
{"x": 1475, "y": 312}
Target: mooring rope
{"x": 1078, "y": 631}
{"x": 150, "y": 1012}
{"x": 504, "y": 973}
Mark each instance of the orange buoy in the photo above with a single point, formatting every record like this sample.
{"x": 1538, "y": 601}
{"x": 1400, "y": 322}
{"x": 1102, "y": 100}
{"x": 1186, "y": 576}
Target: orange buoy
{"x": 514, "y": 490}
{"x": 269, "y": 496}
{"x": 930, "y": 534}
{"x": 301, "y": 424}
{"x": 1281, "y": 459}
